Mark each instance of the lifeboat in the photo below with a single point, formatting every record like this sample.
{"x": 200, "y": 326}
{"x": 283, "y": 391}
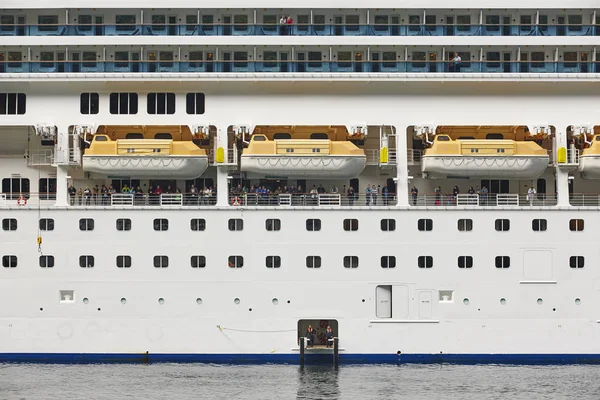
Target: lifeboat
{"x": 145, "y": 158}
{"x": 484, "y": 158}
{"x": 589, "y": 160}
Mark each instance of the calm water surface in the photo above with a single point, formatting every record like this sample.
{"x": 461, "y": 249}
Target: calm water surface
{"x": 194, "y": 381}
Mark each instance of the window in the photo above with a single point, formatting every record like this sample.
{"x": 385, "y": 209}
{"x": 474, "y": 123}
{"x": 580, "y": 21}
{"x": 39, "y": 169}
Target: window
{"x": 465, "y": 225}
{"x": 14, "y": 58}
{"x": 125, "y": 23}
{"x": 414, "y": 22}
{"x": 425, "y": 224}
{"x": 89, "y": 103}
{"x": 161, "y": 103}
{"x": 12, "y": 103}
{"x": 270, "y": 59}
{"x": 493, "y": 59}
{"x": 240, "y": 59}
{"x": 9, "y": 261}
{"x": 46, "y": 261}
{"x": 502, "y": 261}
{"x": 537, "y": 59}
{"x": 194, "y": 102}
{"x": 270, "y": 23}
{"x": 198, "y": 224}
{"x": 576, "y": 262}
{"x": 196, "y": 61}
{"x": 121, "y": 60}
{"x": 123, "y": 103}
{"x": 159, "y": 22}
{"x": 425, "y": 261}
{"x": 388, "y": 225}
{"x": 161, "y": 224}
{"x": 123, "y": 224}
{"x": 575, "y": 22}
{"x": 84, "y": 23}
{"x": 525, "y": 22}
{"x": 191, "y": 22}
{"x": 570, "y": 58}
{"x": 47, "y": 23}
{"x": 350, "y": 262}
{"x": 198, "y": 261}
{"x": 9, "y": 224}
{"x": 47, "y": 187}
{"x": 46, "y": 224}
{"x": 350, "y": 224}
{"x": 418, "y": 59}
{"x": 236, "y": 224}
{"x": 208, "y": 22}
{"x": 388, "y": 262}
{"x": 539, "y": 225}
{"x": 240, "y": 22}
{"x": 313, "y": 224}
{"x": 89, "y": 59}
{"x": 86, "y": 224}
{"x": 430, "y": 21}
{"x": 123, "y": 261}
{"x": 7, "y": 23}
{"x": 86, "y": 261}
{"x": 47, "y": 59}
{"x": 319, "y": 22}
{"x": 273, "y": 261}
{"x": 502, "y": 225}
{"x": 465, "y": 262}
{"x": 389, "y": 59}
{"x": 314, "y": 59}
{"x": 381, "y": 23}
{"x": 543, "y": 23}
{"x": 492, "y": 23}
{"x": 273, "y": 224}
{"x": 235, "y": 262}
{"x": 576, "y": 225}
{"x": 313, "y": 261}
{"x": 352, "y": 22}
{"x": 463, "y": 23}
{"x": 303, "y": 23}
{"x": 344, "y": 59}
{"x": 161, "y": 261}
{"x": 15, "y": 186}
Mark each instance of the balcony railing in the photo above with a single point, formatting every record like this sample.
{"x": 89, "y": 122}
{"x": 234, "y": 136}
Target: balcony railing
{"x": 489, "y": 200}
{"x": 41, "y": 157}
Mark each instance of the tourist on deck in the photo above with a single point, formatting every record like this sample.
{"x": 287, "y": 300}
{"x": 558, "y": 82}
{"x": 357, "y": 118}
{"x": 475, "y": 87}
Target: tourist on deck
{"x": 438, "y": 195}
{"x": 87, "y": 194}
{"x": 310, "y": 336}
{"x": 484, "y": 195}
{"x": 531, "y": 195}
{"x": 72, "y": 192}
{"x": 374, "y": 194}
{"x": 386, "y": 195}
{"x": 333, "y": 190}
{"x": 456, "y": 62}
{"x": 329, "y": 336}
{"x": 368, "y": 192}
{"x": 414, "y": 192}
{"x": 350, "y": 195}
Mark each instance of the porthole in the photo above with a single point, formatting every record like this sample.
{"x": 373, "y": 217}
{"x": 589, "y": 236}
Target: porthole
{"x": 503, "y": 301}
{"x": 363, "y": 300}
{"x": 123, "y": 300}
{"x": 236, "y": 300}
{"x": 86, "y": 300}
{"x": 275, "y": 302}
{"x": 249, "y": 309}
{"x": 540, "y": 301}
{"x": 289, "y": 302}
{"x": 99, "y": 309}
{"x": 198, "y": 301}
{"x": 41, "y": 309}
{"x": 466, "y": 301}
{"x": 578, "y": 301}
{"x": 161, "y": 301}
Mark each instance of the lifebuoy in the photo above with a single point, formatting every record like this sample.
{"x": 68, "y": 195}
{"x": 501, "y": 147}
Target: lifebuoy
{"x": 235, "y": 201}
{"x": 22, "y": 201}
{"x": 324, "y": 323}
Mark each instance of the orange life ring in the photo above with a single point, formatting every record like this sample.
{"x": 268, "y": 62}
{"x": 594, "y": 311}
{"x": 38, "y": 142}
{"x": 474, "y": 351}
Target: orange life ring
{"x": 235, "y": 201}
{"x": 22, "y": 201}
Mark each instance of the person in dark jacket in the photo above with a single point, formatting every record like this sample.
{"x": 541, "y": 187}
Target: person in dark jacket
{"x": 329, "y": 336}
{"x": 310, "y": 336}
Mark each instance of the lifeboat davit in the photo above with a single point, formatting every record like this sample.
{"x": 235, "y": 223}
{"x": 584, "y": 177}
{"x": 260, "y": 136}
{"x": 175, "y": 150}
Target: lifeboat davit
{"x": 143, "y": 158}
{"x": 303, "y": 158}
{"x": 484, "y": 158}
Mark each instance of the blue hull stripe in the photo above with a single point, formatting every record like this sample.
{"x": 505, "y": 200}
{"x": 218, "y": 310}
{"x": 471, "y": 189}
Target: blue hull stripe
{"x": 71, "y": 358}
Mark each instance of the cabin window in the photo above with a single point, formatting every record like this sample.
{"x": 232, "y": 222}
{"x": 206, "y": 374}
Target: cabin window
{"x": 537, "y": 59}
{"x": 303, "y": 23}
{"x": 208, "y": 22}
{"x": 388, "y": 262}
{"x": 259, "y": 138}
{"x": 463, "y": 23}
{"x": 492, "y": 23}
{"x": 350, "y": 261}
{"x": 240, "y": 59}
{"x": 194, "y": 103}
{"x": 198, "y": 261}
{"x": 525, "y": 22}
{"x": 350, "y": 224}
{"x": 123, "y": 261}
{"x": 425, "y": 261}
{"x": 273, "y": 261}
{"x": 344, "y": 59}
{"x": 89, "y": 59}
{"x": 46, "y": 261}
{"x": 133, "y": 135}
{"x": 414, "y": 22}
{"x": 389, "y": 59}
{"x": 465, "y": 225}
{"x": 14, "y": 58}
{"x": 319, "y": 23}
{"x": 442, "y": 138}
{"x": 352, "y": 22}
{"x": 161, "y": 261}
{"x": 235, "y": 224}
{"x": 196, "y": 60}
{"x": 123, "y": 103}
{"x": 163, "y": 136}
{"x": 159, "y": 22}
{"x": 86, "y": 261}
{"x": 47, "y": 23}
{"x": 7, "y": 23}
{"x": 12, "y": 103}
{"x": 319, "y": 136}
{"x": 240, "y": 22}
{"x": 235, "y": 262}
{"x": 388, "y": 225}
{"x": 576, "y": 261}
{"x": 539, "y": 225}
{"x": 278, "y": 136}
{"x": 381, "y": 23}
{"x": 47, "y": 59}
{"x": 502, "y": 225}
{"x": 502, "y": 261}
{"x": 493, "y": 59}
{"x": 576, "y": 225}
{"x": 197, "y": 224}
{"x": 270, "y": 59}
{"x": 46, "y": 224}
{"x": 313, "y": 225}
{"x": 425, "y": 224}
{"x": 161, "y": 103}
{"x": 191, "y": 21}
{"x": 89, "y": 103}
{"x": 570, "y": 59}
{"x": 125, "y": 23}
{"x": 270, "y": 23}
{"x": 121, "y": 58}
{"x": 575, "y": 22}
{"x": 86, "y": 224}
{"x": 430, "y": 21}
{"x": 418, "y": 59}
{"x": 161, "y": 224}
{"x": 273, "y": 224}
{"x": 15, "y": 186}
{"x": 123, "y": 224}
{"x": 496, "y": 185}
{"x": 9, "y": 261}
{"x": 314, "y": 59}
{"x": 313, "y": 261}
{"x": 465, "y": 262}
{"x": 9, "y": 224}
{"x": 543, "y": 23}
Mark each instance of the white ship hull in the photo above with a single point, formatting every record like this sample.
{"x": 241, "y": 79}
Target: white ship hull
{"x": 172, "y": 166}
{"x": 517, "y": 167}
{"x": 322, "y": 167}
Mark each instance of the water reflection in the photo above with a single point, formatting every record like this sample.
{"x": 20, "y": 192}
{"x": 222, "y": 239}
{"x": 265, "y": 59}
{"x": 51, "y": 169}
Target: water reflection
{"x": 318, "y": 382}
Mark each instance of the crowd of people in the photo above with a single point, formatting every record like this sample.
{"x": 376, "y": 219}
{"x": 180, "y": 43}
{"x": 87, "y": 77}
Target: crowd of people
{"x": 102, "y": 195}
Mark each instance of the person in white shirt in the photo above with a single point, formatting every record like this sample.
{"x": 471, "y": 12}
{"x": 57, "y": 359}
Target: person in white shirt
{"x": 456, "y": 62}
{"x": 531, "y": 195}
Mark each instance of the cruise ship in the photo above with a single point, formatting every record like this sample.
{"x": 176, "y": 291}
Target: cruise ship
{"x": 204, "y": 184}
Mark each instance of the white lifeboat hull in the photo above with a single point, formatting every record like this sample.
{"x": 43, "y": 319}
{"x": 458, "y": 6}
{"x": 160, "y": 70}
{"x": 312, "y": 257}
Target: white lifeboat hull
{"x": 147, "y": 167}
{"x": 589, "y": 166}
{"x": 519, "y": 167}
{"x": 304, "y": 166}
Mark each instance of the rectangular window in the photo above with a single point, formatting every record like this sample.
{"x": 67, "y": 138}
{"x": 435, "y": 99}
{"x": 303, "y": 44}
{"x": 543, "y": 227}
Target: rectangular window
{"x": 159, "y": 22}
{"x": 161, "y": 224}
{"x": 313, "y": 261}
{"x": 319, "y": 23}
{"x": 194, "y": 103}
{"x": 86, "y": 261}
{"x": 46, "y": 261}
{"x": 525, "y": 22}
{"x": 84, "y": 23}
{"x": 344, "y": 59}
{"x": 191, "y": 21}
{"x": 418, "y": 59}
{"x": 537, "y": 59}
{"x": 123, "y": 224}
{"x": 47, "y": 188}
{"x": 502, "y": 261}
{"x": 463, "y": 23}
{"x": 465, "y": 262}
{"x": 240, "y": 59}
{"x": 465, "y": 225}
{"x": 352, "y": 22}
{"x": 89, "y": 103}
{"x": 492, "y": 23}
{"x": 235, "y": 224}
{"x": 9, "y": 261}
{"x": 425, "y": 261}
{"x": 121, "y": 60}
{"x": 414, "y": 23}
{"x": 208, "y": 22}
{"x": 570, "y": 58}
{"x": 273, "y": 261}
{"x": 14, "y": 58}
{"x": 314, "y": 59}
{"x": 196, "y": 61}
{"x": 89, "y": 59}
{"x": 47, "y": 59}
{"x": 303, "y": 23}
{"x": 388, "y": 225}
{"x": 425, "y": 224}
{"x": 86, "y": 224}
{"x": 576, "y": 225}
{"x": 576, "y": 261}
{"x": 389, "y": 59}
{"x": 47, "y": 23}
{"x": 313, "y": 225}
{"x": 46, "y": 224}
{"x": 123, "y": 261}
{"x": 235, "y": 262}
{"x": 125, "y": 23}
{"x": 197, "y": 224}
{"x": 161, "y": 261}
{"x": 123, "y": 103}
{"x": 381, "y": 23}
{"x": 272, "y": 224}
{"x": 270, "y": 23}
{"x": 388, "y": 262}
{"x": 575, "y": 22}
{"x": 539, "y": 225}
{"x": 240, "y": 22}
{"x": 430, "y": 21}
{"x": 7, "y": 23}
{"x": 198, "y": 261}
{"x": 9, "y": 224}
{"x": 493, "y": 59}
{"x": 350, "y": 262}
{"x": 543, "y": 24}
{"x": 270, "y": 59}
{"x": 350, "y": 224}
{"x": 161, "y": 103}
{"x": 15, "y": 186}
{"x": 502, "y": 225}
{"x": 12, "y": 103}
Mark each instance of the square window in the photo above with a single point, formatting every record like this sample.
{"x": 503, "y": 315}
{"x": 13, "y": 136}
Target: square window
{"x": 425, "y": 224}
{"x": 194, "y": 101}
{"x": 273, "y": 261}
{"x": 272, "y": 224}
{"x": 235, "y": 262}
{"x": 576, "y": 261}
{"x": 198, "y": 224}
{"x": 502, "y": 225}
{"x": 465, "y": 262}
{"x": 350, "y": 262}
{"x": 9, "y": 261}
{"x": 313, "y": 225}
{"x": 47, "y": 261}
{"x": 465, "y": 225}
{"x": 236, "y": 224}
{"x": 502, "y": 261}
{"x": 576, "y": 225}
{"x": 9, "y": 224}
{"x": 313, "y": 261}
{"x": 350, "y": 224}
{"x": 46, "y": 224}
{"x": 123, "y": 261}
{"x": 388, "y": 225}
{"x": 425, "y": 261}
{"x": 539, "y": 225}
{"x": 161, "y": 261}
{"x": 198, "y": 261}
{"x": 161, "y": 224}
{"x": 388, "y": 262}
{"x": 86, "y": 261}
{"x": 86, "y": 224}
{"x": 123, "y": 224}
